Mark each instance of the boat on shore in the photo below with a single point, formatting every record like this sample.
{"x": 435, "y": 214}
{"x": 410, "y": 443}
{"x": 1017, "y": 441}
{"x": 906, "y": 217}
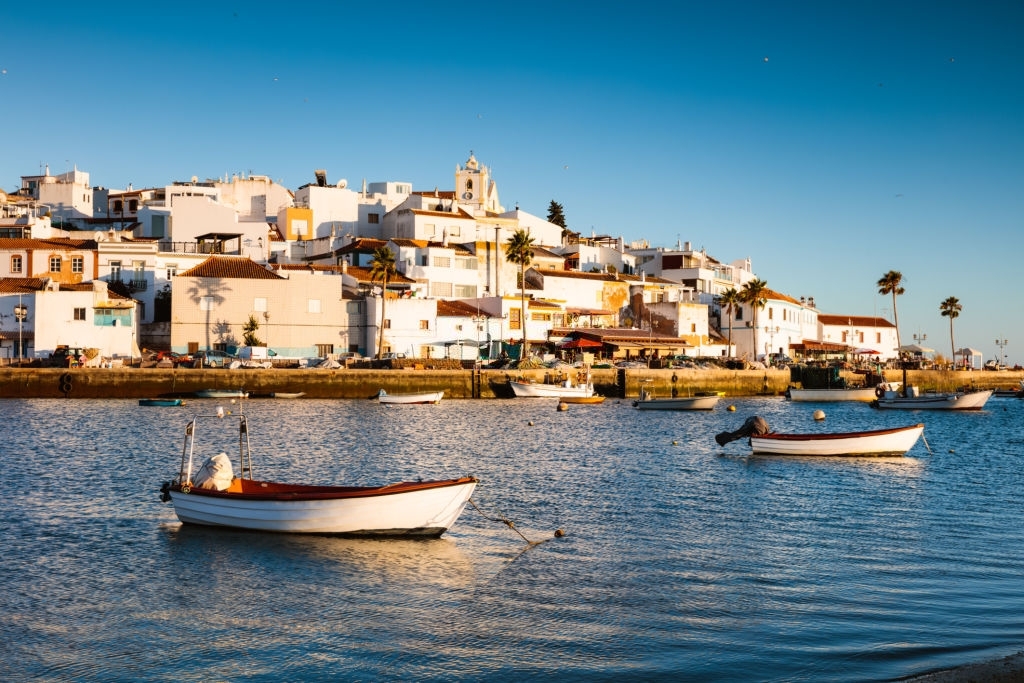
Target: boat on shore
{"x": 430, "y": 397}
{"x": 891, "y": 397}
{"x": 211, "y": 495}
{"x": 221, "y": 393}
{"x": 162, "y": 402}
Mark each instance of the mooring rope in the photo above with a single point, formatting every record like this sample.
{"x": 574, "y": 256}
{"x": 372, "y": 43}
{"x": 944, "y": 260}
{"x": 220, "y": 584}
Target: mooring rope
{"x": 926, "y": 445}
{"x": 510, "y": 524}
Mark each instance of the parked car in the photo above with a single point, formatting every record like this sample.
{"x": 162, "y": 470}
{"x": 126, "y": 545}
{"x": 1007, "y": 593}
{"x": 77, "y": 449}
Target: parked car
{"x": 65, "y": 356}
{"x": 212, "y": 359}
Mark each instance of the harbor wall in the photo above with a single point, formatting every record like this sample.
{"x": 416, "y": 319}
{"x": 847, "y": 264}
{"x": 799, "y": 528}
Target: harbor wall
{"x": 351, "y": 383}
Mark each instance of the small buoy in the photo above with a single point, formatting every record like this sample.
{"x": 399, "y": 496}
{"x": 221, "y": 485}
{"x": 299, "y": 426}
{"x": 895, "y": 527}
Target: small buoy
{"x": 562, "y": 405}
{"x": 951, "y": 450}
{"x": 732, "y": 409}
{"x": 675, "y": 443}
{"x": 530, "y": 423}
{"x": 559, "y": 533}
{"x": 819, "y": 414}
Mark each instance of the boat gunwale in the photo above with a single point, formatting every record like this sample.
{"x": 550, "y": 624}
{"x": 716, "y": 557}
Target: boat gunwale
{"x": 278, "y": 491}
{"x": 828, "y": 436}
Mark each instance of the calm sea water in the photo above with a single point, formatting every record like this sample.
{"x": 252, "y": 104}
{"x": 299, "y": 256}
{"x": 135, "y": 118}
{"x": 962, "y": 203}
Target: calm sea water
{"x": 681, "y": 560}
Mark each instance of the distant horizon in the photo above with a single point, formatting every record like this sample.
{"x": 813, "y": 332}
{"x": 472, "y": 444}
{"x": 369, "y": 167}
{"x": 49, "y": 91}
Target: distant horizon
{"x": 827, "y": 143}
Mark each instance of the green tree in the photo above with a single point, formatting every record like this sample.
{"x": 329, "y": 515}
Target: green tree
{"x": 382, "y": 268}
{"x": 250, "y": 338}
{"x": 753, "y": 293}
{"x": 730, "y": 300}
{"x": 951, "y": 309}
{"x": 556, "y": 214}
{"x": 892, "y": 283}
{"x": 519, "y": 250}
{"x": 162, "y": 305}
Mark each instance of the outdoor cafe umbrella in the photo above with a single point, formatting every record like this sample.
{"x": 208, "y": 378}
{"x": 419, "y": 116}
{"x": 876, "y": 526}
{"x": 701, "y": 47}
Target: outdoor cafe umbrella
{"x": 866, "y": 352}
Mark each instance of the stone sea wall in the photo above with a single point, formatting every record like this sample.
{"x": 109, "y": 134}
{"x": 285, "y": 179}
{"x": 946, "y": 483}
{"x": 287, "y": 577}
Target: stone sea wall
{"x": 349, "y": 383}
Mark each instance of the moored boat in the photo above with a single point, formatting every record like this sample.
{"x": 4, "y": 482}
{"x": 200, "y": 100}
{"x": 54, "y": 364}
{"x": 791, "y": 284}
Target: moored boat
{"x": 211, "y": 495}
{"x": 878, "y": 442}
{"x": 702, "y": 401}
{"x": 287, "y": 394}
{"x": 596, "y": 398}
{"x": 409, "y": 399}
{"x": 221, "y": 393}
{"x": 162, "y": 402}
{"x": 528, "y": 389}
{"x": 892, "y": 397}
{"x": 862, "y": 394}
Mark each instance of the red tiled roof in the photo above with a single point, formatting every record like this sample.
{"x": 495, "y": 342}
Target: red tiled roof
{"x": 45, "y": 243}
{"x": 449, "y": 308}
{"x": 21, "y": 285}
{"x": 853, "y": 320}
{"x": 231, "y": 267}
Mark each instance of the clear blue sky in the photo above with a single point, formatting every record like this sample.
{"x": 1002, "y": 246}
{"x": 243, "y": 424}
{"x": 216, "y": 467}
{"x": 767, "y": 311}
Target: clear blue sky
{"x": 830, "y": 142}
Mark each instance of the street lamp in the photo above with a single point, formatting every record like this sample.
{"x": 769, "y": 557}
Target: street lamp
{"x": 266, "y": 319}
{"x": 769, "y": 330}
{"x": 20, "y": 312}
{"x": 1001, "y": 343}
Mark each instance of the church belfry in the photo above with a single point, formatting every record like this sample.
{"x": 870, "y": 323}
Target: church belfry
{"x": 474, "y": 187}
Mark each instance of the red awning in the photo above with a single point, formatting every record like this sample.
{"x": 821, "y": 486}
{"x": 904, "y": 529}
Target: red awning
{"x": 581, "y": 343}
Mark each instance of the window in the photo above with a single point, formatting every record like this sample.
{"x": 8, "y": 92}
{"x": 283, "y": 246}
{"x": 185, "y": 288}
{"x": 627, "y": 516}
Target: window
{"x": 440, "y": 289}
{"x": 514, "y": 322}
{"x": 313, "y": 306}
{"x": 206, "y": 303}
{"x": 466, "y": 263}
{"x": 259, "y": 304}
{"x": 79, "y": 314}
{"x": 77, "y": 264}
{"x": 55, "y": 264}
{"x": 429, "y": 229}
{"x": 324, "y": 350}
{"x": 454, "y": 231}
{"x": 387, "y": 324}
{"x": 115, "y": 271}
{"x": 133, "y": 205}
{"x": 465, "y": 291}
{"x": 172, "y": 270}
{"x": 300, "y": 228}
{"x": 118, "y": 206}
{"x": 424, "y": 324}
{"x": 442, "y": 262}
{"x": 739, "y": 313}
{"x": 373, "y": 218}
{"x": 159, "y": 226}
{"x": 16, "y": 264}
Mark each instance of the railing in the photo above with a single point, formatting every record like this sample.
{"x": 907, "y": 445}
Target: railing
{"x": 193, "y": 248}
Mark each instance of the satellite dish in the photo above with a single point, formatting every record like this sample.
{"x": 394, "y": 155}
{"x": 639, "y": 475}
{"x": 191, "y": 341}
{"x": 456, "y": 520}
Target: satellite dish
{"x": 342, "y": 183}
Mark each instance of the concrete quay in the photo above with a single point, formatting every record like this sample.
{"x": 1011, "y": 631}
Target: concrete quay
{"x": 471, "y": 383}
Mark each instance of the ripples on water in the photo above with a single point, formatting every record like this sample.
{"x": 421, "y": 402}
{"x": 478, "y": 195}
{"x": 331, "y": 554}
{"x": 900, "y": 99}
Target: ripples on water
{"x": 682, "y": 560}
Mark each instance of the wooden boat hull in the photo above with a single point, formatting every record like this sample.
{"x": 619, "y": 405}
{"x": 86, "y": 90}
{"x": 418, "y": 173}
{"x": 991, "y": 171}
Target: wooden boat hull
{"x": 287, "y": 394}
{"x": 974, "y": 400}
{"x": 678, "y": 403}
{"x": 864, "y": 395}
{"x": 583, "y": 399}
{"x": 422, "y": 509}
{"x": 162, "y": 402}
{"x": 410, "y": 399}
{"x": 879, "y": 442}
{"x": 538, "y": 390}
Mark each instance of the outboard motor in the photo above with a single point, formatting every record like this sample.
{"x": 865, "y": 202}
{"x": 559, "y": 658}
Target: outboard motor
{"x": 754, "y": 424}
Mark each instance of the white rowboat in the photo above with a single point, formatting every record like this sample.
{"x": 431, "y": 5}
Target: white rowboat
{"x": 211, "y": 495}
{"x": 538, "y": 390}
{"x": 678, "y": 403}
{"x": 911, "y": 400}
{"x": 399, "y": 399}
{"x": 863, "y": 394}
{"x": 895, "y": 441}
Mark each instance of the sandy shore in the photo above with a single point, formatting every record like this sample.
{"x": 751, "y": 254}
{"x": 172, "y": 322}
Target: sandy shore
{"x": 1007, "y": 670}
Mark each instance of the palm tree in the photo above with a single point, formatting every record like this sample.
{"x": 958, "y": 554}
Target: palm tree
{"x": 729, "y": 300}
{"x": 519, "y": 250}
{"x": 382, "y": 267}
{"x": 951, "y": 309}
{"x": 753, "y": 294}
{"x": 891, "y": 283}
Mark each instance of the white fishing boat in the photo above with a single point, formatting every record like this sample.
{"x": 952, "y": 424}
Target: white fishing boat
{"x": 221, "y": 393}
{"x": 531, "y": 389}
{"x": 879, "y": 442}
{"x": 862, "y": 394}
{"x": 211, "y": 495}
{"x": 890, "y": 396}
{"x": 408, "y": 399}
{"x": 705, "y": 401}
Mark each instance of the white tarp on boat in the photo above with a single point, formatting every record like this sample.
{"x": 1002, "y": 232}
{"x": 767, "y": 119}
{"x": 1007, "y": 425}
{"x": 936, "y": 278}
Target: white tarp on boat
{"x": 215, "y": 474}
